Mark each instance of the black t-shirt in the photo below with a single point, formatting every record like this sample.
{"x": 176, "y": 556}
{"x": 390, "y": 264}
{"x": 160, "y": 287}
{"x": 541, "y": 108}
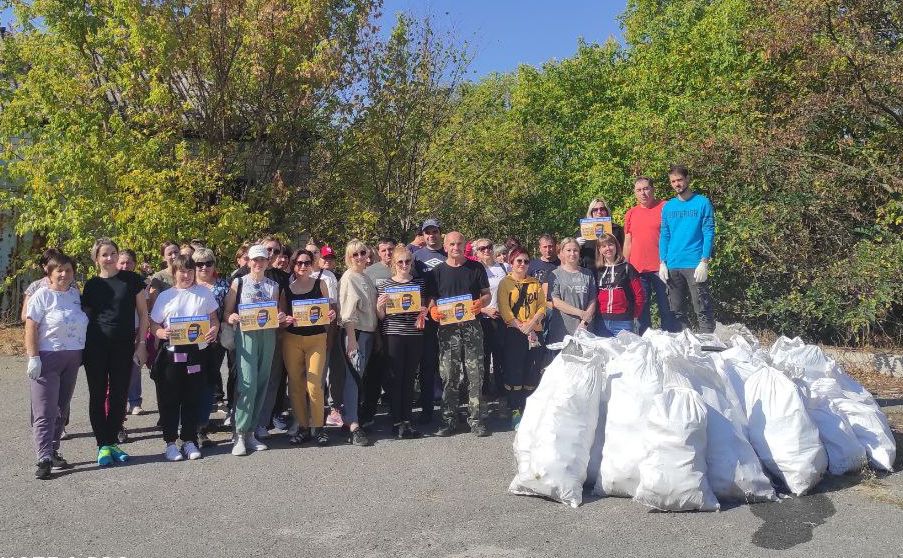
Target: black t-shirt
{"x": 542, "y": 269}
{"x": 446, "y": 281}
{"x": 426, "y": 260}
{"x": 110, "y": 304}
{"x": 314, "y": 293}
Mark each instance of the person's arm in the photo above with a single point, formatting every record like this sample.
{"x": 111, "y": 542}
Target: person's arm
{"x": 324, "y": 290}
{"x": 664, "y": 237}
{"x": 25, "y": 300}
{"x": 540, "y": 311}
{"x": 230, "y": 306}
{"x": 158, "y": 331}
{"x": 627, "y": 244}
{"x": 31, "y": 337}
{"x": 214, "y": 327}
{"x": 708, "y": 231}
{"x": 283, "y": 315}
{"x": 381, "y": 300}
{"x": 143, "y": 324}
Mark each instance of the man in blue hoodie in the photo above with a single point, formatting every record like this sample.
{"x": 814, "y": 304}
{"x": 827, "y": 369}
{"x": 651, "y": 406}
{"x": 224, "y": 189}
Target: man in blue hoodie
{"x": 685, "y": 248}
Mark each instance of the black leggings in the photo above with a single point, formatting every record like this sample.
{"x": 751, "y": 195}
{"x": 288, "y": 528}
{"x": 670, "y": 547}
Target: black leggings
{"x": 179, "y": 395}
{"x": 108, "y": 362}
{"x": 403, "y": 354}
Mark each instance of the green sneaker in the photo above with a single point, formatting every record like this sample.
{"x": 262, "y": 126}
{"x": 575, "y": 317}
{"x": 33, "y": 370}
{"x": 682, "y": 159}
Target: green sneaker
{"x": 118, "y": 454}
{"x": 104, "y": 456}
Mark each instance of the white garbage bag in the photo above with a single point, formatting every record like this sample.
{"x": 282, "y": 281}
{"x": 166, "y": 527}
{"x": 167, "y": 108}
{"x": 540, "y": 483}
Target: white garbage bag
{"x": 781, "y": 431}
{"x": 734, "y": 471}
{"x": 673, "y": 468}
{"x": 552, "y": 444}
{"x": 634, "y": 378}
{"x": 845, "y": 453}
{"x": 823, "y": 375}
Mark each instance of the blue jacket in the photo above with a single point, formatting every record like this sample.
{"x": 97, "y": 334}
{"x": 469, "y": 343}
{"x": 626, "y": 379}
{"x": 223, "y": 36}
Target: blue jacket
{"x": 687, "y": 232}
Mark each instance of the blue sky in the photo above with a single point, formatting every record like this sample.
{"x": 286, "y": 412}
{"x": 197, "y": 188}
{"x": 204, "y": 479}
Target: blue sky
{"x": 507, "y": 33}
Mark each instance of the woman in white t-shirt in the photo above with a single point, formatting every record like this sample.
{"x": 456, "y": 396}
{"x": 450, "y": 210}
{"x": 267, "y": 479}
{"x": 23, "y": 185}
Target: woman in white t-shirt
{"x": 493, "y": 325}
{"x": 178, "y": 369}
{"x": 55, "y": 327}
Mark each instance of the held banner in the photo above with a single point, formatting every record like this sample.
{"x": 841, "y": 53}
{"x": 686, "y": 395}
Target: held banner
{"x": 403, "y": 300}
{"x": 456, "y": 309}
{"x": 258, "y": 315}
{"x": 593, "y": 228}
{"x": 188, "y": 330}
{"x": 310, "y": 312}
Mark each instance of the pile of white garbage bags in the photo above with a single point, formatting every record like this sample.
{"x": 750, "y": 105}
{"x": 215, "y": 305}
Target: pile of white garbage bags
{"x": 681, "y": 422}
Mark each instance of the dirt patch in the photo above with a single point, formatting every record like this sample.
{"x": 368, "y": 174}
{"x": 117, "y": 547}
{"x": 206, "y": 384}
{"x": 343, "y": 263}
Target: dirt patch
{"x": 12, "y": 341}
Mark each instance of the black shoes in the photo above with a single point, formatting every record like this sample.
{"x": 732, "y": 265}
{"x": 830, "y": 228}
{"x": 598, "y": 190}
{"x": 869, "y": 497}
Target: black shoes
{"x": 58, "y": 462}
{"x": 447, "y": 430}
{"x": 405, "y": 431}
{"x": 321, "y": 437}
{"x": 43, "y": 470}
{"x": 359, "y": 438}
{"x": 479, "y": 430}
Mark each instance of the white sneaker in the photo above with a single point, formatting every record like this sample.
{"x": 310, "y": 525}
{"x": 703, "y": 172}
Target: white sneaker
{"x": 239, "y": 447}
{"x": 172, "y": 452}
{"x": 261, "y": 433}
{"x": 137, "y": 410}
{"x": 254, "y": 444}
{"x": 191, "y": 451}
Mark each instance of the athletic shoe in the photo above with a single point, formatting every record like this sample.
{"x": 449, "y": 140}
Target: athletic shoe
{"x": 191, "y": 451}
{"x": 59, "y": 462}
{"x": 335, "y": 418}
{"x": 122, "y": 436}
{"x": 43, "y": 470}
{"x": 447, "y": 429}
{"x": 118, "y": 454}
{"x": 359, "y": 438}
{"x": 280, "y": 422}
{"x": 479, "y": 430}
{"x": 104, "y": 456}
{"x": 261, "y": 433}
{"x": 172, "y": 452}
{"x": 321, "y": 436}
{"x": 515, "y": 419}
{"x": 204, "y": 440}
{"x": 407, "y": 432}
{"x": 253, "y": 443}
{"x": 238, "y": 448}
{"x": 136, "y": 410}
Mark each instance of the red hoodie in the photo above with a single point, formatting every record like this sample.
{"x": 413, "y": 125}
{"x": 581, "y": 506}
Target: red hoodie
{"x": 621, "y": 294}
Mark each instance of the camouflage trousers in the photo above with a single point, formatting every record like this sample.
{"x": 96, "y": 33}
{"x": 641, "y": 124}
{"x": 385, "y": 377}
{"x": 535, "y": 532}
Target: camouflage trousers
{"x": 461, "y": 352}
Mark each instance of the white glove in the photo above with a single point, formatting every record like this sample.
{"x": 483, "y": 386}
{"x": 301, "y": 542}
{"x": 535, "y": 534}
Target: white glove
{"x": 663, "y": 272}
{"x": 34, "y": 367}
{"x": 702, "y": 272}
{"x": 581, "y": 241}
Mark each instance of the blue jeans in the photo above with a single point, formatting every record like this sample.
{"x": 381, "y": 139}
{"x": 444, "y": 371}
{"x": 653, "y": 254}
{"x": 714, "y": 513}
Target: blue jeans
{"x": 135, "y": 386}
{"x": 354, "y": 377}
{"x": 610, "y": 328}
{"x": 650, "y": 280}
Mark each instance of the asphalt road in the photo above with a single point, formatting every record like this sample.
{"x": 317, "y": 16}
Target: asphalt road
{"x": 431, "y": 497}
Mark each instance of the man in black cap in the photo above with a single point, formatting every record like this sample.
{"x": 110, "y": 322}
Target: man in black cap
{"x": 425, "y": 260}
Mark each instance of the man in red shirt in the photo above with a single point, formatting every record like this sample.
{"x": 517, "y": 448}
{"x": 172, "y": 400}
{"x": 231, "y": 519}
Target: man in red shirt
{"x": 641, "y": 231}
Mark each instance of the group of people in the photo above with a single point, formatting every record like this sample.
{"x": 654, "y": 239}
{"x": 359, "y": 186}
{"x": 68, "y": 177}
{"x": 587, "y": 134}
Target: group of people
{"x": 456, "y": 319}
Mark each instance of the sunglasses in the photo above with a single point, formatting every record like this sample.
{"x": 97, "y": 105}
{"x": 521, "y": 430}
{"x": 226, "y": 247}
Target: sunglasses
{"x": 360, "y": 254}
{"x": 405, "y": 262}
{"x": 482, "y": 248}
{"x": 303, "y": 263}
{"x": 204, "y": 264}
{"x": 520, "y": 261}
{"x": 431, "y": 230}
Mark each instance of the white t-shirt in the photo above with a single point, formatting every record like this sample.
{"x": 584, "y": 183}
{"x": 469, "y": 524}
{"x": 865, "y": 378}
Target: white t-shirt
{"x": 61, "y": 322}
{"x": 332, "y": 284}
{"x": 496, "y": 272}
{"x": 176, "y": 303}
